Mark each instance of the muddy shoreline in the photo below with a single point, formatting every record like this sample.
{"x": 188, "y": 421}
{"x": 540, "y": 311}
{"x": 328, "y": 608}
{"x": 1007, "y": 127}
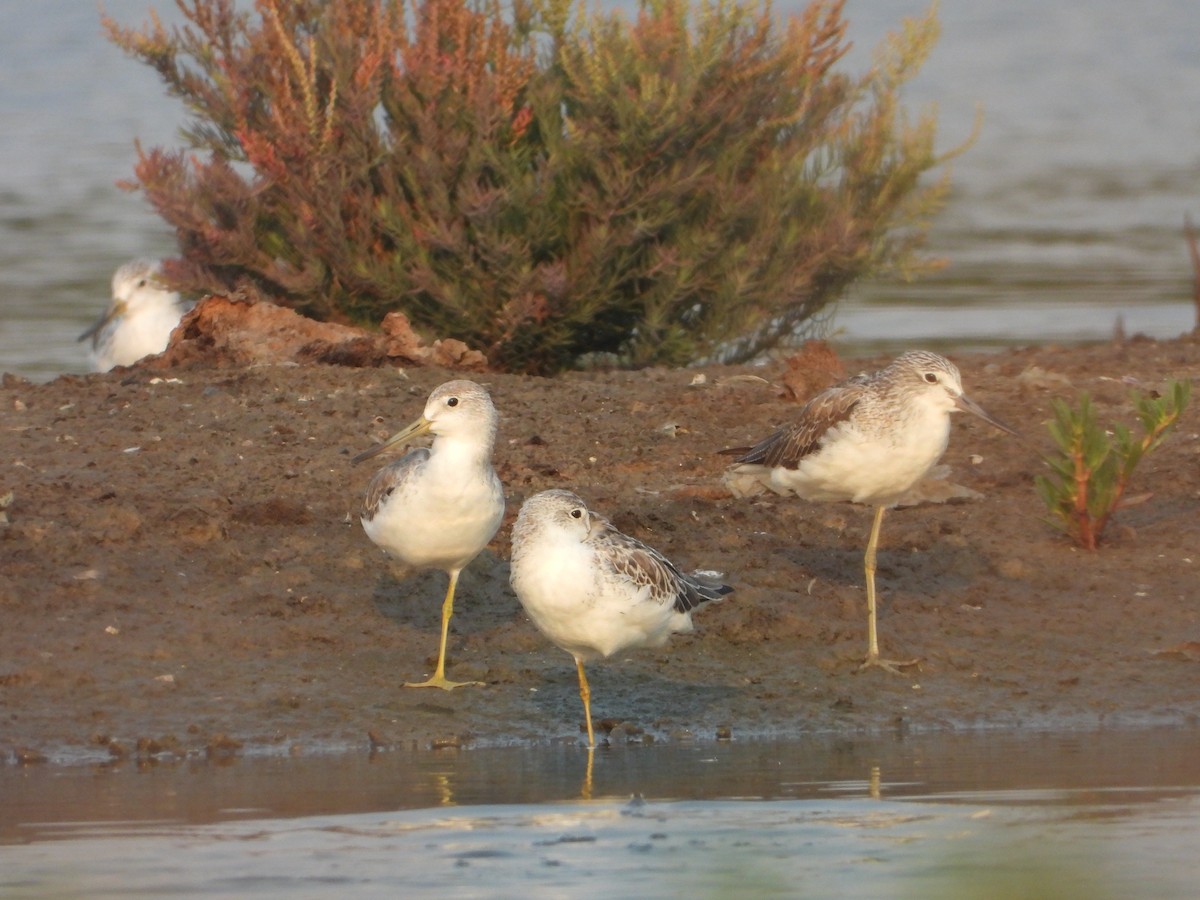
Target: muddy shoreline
{"x": 183, "y": 571}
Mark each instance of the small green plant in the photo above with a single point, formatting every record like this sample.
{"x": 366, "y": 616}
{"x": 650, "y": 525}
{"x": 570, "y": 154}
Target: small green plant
{"x": 1092, "y": 469}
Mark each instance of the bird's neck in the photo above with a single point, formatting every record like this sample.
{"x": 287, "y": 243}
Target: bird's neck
{"x": 459, "y": 453}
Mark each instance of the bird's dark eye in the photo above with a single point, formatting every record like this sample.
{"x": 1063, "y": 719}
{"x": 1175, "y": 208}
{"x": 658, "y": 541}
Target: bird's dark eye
{"x": 142, "y": 283}
{"x": 577, "y": 513}
{"x": 931, "y": 377}
{"x": 453, "y": 401}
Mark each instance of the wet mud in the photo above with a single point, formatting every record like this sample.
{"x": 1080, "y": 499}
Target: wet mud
{"x": 182, "y": 570}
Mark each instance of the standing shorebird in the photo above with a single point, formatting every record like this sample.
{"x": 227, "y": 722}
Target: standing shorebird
{"x": 594, "y": 591}
{"x": 867, "y": 440}
{"x": 139, "y": 319}
{"x": 437, "y": 507}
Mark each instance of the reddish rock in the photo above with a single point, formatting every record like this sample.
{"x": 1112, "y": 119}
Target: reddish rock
{"x": 222, "y": 331}
{"x": 810, "y": 371}
{"x": 402, "y": 344}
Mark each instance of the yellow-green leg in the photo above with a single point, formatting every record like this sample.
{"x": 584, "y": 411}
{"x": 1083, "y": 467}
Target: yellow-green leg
{"x": 585, "y": 792}
{"x": 585, "y": 694}
{"x": 439, "y": 675}
{"x": 873, "y": 659}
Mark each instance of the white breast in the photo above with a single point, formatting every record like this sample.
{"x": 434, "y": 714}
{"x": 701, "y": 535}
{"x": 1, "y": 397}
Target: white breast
{"x": 432, "y": 520}
{"x": 583, "y": 608}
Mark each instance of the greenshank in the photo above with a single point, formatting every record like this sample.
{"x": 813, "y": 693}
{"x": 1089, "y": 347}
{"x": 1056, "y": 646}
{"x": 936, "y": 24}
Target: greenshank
{"x": 594, "y": 591}
{"x": 867, "y": 440}
{"x": 438, "y": 507}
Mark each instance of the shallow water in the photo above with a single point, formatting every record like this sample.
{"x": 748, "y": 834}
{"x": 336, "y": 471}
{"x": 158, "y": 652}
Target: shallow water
{"x": 1107, "y": 814}
{"x": 1066, "y": 213}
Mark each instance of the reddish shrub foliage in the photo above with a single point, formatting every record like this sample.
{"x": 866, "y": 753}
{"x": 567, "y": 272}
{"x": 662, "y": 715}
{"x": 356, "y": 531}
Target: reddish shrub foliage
{"x": 543, "y": 183}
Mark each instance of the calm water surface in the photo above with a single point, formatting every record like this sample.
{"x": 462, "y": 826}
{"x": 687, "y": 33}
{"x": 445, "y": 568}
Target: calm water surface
{"x": 1113, "y": 814}
{"x": 1066, "y": 214}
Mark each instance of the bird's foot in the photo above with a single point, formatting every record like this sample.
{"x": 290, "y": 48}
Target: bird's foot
{"x": 440, "y": 681}
{"x": 895, "y": 666}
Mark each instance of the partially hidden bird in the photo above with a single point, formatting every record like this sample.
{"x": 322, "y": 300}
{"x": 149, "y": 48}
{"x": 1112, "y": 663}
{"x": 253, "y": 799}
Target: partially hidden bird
{"x": 138, "y": 320}
{"x": 438, "y": 507}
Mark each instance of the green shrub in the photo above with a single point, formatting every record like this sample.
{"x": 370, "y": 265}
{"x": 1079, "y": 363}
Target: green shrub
{"x": 1091, "y": 469}
{"x": 541, "y": 182}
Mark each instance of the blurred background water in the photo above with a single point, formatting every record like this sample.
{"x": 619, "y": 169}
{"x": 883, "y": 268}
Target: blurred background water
{"x": 1066, "y": 212}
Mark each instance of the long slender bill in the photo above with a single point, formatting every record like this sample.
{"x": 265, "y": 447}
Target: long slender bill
{"x": 417, "y": 428}
{"x": 966, "y": 404}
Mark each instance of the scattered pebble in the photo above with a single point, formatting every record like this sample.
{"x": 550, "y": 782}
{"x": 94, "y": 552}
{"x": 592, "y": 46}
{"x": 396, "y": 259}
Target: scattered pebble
{"x": 222, "y": 746}
{"x": 26, "y": 756}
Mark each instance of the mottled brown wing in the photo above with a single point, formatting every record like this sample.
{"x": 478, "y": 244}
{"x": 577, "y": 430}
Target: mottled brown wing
{"x": 790, "y": 444}
{"x": 390, "y": 477}
{"x": 643, "y": 565}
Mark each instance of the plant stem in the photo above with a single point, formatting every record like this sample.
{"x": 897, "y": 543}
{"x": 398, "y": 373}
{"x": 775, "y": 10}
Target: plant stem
{"x": 1087, "y": 536}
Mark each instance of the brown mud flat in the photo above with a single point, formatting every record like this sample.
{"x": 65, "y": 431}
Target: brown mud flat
{"x": 182, "y": 570}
